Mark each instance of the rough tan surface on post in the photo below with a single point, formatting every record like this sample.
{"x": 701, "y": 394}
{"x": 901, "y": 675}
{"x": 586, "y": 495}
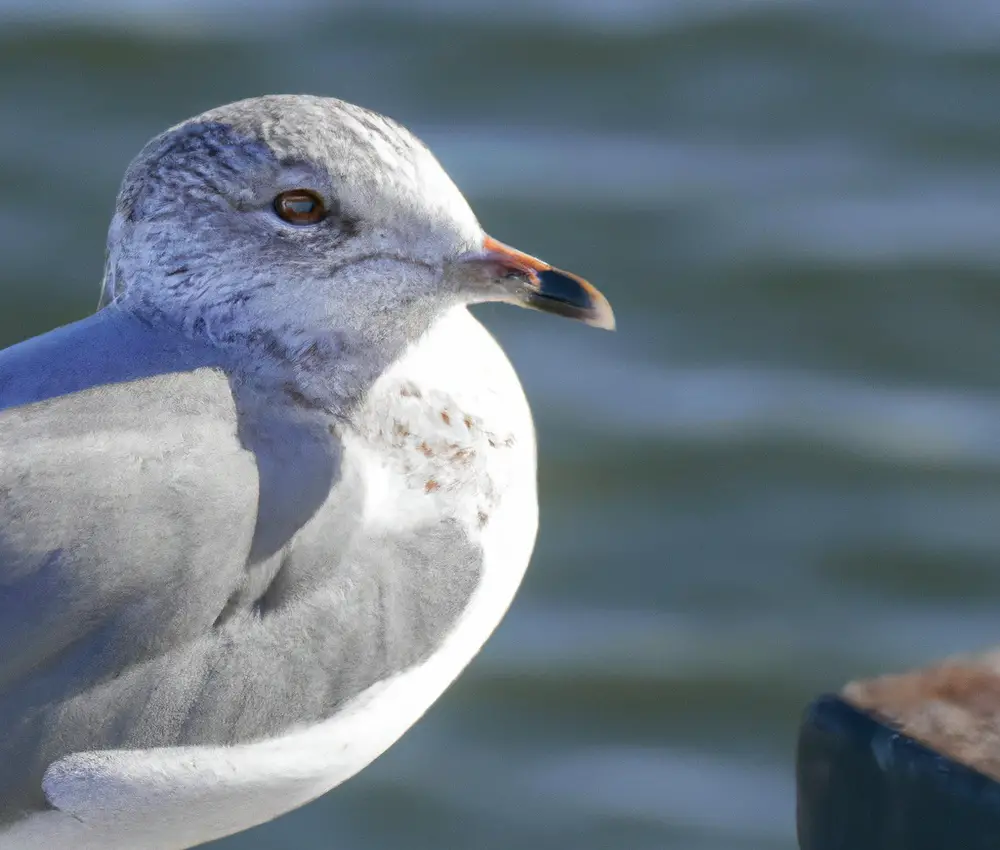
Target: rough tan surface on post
{"x": 953, "y": 707}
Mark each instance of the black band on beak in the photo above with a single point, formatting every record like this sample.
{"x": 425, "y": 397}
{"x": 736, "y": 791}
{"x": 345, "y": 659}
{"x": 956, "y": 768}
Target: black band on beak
{"x": 565, "y": 295}
{"x": 536, "y": 284}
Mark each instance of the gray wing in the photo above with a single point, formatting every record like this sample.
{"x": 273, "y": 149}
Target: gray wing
{"x": 155, "y": 590}
{"x": 126, "y": 516}
{"x": 127, "y": 511}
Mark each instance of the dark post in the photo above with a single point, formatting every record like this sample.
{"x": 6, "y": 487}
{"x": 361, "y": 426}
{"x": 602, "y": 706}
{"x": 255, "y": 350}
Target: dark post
{"x": 865, "y": 782}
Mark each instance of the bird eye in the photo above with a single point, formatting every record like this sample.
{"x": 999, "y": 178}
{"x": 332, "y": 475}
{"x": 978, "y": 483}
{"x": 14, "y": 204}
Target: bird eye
{"x": 300, "y": 206}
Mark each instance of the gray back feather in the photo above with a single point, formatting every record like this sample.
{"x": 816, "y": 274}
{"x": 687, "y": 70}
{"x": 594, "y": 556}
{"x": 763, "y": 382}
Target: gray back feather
{"x": 181, "y": 565}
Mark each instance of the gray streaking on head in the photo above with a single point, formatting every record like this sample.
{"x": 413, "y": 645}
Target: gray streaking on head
{"x": 263, "y": 507}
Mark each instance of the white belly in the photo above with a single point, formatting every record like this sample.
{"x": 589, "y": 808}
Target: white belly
{"x": 168, "y": 799}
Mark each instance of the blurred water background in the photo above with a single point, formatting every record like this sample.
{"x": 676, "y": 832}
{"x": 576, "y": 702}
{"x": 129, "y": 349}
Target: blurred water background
{"x": 781, "y": 472}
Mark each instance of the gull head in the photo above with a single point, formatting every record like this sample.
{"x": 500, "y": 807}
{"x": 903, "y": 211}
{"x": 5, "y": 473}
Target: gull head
{"x": 302, "y": 229}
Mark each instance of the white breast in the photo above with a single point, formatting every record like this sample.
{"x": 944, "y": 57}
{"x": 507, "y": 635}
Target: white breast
{"x": 168, "y": 799}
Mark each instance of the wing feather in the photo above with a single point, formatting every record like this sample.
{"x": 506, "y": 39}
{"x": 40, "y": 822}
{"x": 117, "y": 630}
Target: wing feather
{"x": 126, "y": 514}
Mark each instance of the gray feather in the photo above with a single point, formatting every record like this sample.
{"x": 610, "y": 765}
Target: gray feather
{"x": 152, "y": 593}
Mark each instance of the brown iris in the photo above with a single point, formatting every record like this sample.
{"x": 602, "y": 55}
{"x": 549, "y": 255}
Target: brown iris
{"x": 300, "y": 206}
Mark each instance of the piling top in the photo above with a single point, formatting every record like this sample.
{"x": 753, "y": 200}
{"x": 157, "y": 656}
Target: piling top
{"x": 904, "y": 762}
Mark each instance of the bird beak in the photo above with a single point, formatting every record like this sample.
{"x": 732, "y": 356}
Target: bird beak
{"x": 529, "y": 282}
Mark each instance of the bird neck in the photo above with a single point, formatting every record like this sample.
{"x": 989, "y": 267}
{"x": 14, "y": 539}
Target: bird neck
{"x": 321, "y": 369}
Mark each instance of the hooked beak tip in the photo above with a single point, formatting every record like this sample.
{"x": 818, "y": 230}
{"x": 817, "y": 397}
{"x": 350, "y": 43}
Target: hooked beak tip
{"x": 538, "y": 285}
{"x": 568, "y": 295}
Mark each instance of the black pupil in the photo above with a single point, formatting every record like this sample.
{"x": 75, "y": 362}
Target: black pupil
{"x": 300, "y": 206}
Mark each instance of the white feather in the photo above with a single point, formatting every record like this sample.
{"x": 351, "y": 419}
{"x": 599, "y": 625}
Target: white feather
{"x": 168, "y": 799}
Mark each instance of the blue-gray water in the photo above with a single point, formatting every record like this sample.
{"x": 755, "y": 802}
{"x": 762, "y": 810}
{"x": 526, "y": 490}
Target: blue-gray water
{"x": 782, "y": 471}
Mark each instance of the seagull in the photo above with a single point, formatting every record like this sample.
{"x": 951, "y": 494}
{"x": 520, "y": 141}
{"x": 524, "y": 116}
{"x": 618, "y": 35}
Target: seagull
{"x": 260, "y": 509}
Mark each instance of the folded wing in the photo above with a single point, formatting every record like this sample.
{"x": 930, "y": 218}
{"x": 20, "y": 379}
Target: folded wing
{"x": 127, "y": 512}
